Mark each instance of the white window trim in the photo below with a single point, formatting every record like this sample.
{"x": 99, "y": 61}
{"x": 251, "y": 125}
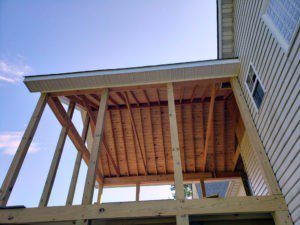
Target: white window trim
{"x": 274, "y": 30}
{"x": 251, "y": 92}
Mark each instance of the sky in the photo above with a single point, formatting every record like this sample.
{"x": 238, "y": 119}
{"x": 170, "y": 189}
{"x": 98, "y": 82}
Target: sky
{"x": 44, "y": 37}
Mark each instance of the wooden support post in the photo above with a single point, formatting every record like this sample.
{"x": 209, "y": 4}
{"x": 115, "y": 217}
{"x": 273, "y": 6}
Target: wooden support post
{"x": 77, "y": 163}
{"x": 209, "y": 129}
{"x": 258, "y": 148}
{"x": 56, "y": 159}
{"x": 178, "y": 178}
{"x": 182, "y": 220}
{"x": 100, "y": 191}
{"x": 93, "y": 163}
{"x": 282, "y": 218}
{"x": 137, "y": 192}
{"x": 203, "y": 189}
{"x": 63, "y": 118}
{"x": 14, "y": 169}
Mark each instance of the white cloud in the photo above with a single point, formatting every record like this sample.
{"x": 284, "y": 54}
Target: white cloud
{"x": 9, "y": 143}
{"x": 13, "y": 72}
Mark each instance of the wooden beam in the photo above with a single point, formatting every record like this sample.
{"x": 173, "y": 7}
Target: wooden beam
{"x": 257, "y": 146}
{"x": 135, "y": 98}
{"x": 193, "y": 93}
{"x": 77, "y": 164}
{"x": 124, "y": 142}
{"x": 179, "y": 192}
{"x": 167, "y": 178}
{"x": 93, "y": 127}
{"x": 55, "y": 161}
{"x": 16, "y": 164}
{"x": 136, "y": 133}
{"x": 106, "y": 149}
{"x": 209, "y": 125}
{"x": 163, "y": 140}
{"x": 95, "y": 150}
{"x": 114, "y": 141}
{"x": 152, "y": 139}
{"x": 208, "y": 206}
{"x": 137, "y": 192}
{"x": 64, "y": 120}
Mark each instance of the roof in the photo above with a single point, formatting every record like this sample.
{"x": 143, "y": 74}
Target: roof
{"x": 133, "y": 76}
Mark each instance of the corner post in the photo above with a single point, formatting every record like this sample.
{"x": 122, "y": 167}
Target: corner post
{"x": 93, "y": 163}
{"x": 15, "y": 167}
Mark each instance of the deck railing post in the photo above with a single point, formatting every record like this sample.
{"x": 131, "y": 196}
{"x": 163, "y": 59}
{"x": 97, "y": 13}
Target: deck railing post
{"x": 20, "y": 155}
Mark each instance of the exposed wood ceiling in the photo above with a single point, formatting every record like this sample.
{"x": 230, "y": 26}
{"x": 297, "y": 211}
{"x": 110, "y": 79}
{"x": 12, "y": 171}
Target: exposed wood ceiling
{"x": 137, "y": 133}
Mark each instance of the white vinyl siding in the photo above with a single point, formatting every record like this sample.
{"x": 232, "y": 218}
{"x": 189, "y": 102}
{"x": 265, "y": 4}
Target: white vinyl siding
{"x": 277, "y": 121}
{"x": 283, "y": 18}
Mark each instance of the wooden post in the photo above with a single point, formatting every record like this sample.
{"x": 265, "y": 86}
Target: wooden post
{"x": 259, "y": 151}
{"x": 77, "y": 164}
{"x": 282, "y": 218}
{"x": 19, "y": 157}
{"x": 178, "y": 177}
{"x": 137, "y": 192}
{"x": 182, "y": 220}
{"x": 203, "y": 189}
{"x": 100, "y": 191}
{"x": 56, "y": 159}
{"x": 210, "y": 126}
{"x": 93, "y": 163}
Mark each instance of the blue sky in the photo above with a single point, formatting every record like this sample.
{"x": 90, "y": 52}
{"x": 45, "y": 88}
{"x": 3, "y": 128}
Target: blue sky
{"x": 42, "y": 37}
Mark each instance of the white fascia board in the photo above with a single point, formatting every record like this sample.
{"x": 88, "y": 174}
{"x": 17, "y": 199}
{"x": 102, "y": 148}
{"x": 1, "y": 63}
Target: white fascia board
{"x": 133, "y": 76}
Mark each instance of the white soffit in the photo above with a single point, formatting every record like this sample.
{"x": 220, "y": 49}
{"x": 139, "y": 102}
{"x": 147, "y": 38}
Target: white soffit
{"x": 211, "y": 69}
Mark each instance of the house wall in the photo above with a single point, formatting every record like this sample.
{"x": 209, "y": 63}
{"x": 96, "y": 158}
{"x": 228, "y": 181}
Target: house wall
{"x": 277, "y": 120}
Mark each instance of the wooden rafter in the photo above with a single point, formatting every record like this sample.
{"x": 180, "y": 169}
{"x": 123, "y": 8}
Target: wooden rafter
{"x": 110, "y": 157}
{"x": 93, "y": 100}
{"x": 209, "y": 126}
{"x": 106, "y": 149}
{"x": 182, "y": 153}
{"x": 124, "y": 142}
{"x": 146, "y": 97}
{"x": 113, "y": 101}
{"x": 181, "y": 95}
{"x": 114, "y": 142}
{"x": 163, "y": 140}
{"x": 64, "y": 120}
{"x": 193, "y": 136}
{"x": 143, "y": 138}
{"x": 193, "y": 93}
{"x": 152, "y": 139}
{"x": 135, "y": 98}
{"x": 135, "y": 132}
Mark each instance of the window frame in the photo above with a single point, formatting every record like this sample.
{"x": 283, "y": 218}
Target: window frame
{"x": 254, "y": 85}
{"x": 274, "y": 30}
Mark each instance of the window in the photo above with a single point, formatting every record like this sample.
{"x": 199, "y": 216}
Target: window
{"x": 255, "y": 87}
{"x": 283, "y": 18}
